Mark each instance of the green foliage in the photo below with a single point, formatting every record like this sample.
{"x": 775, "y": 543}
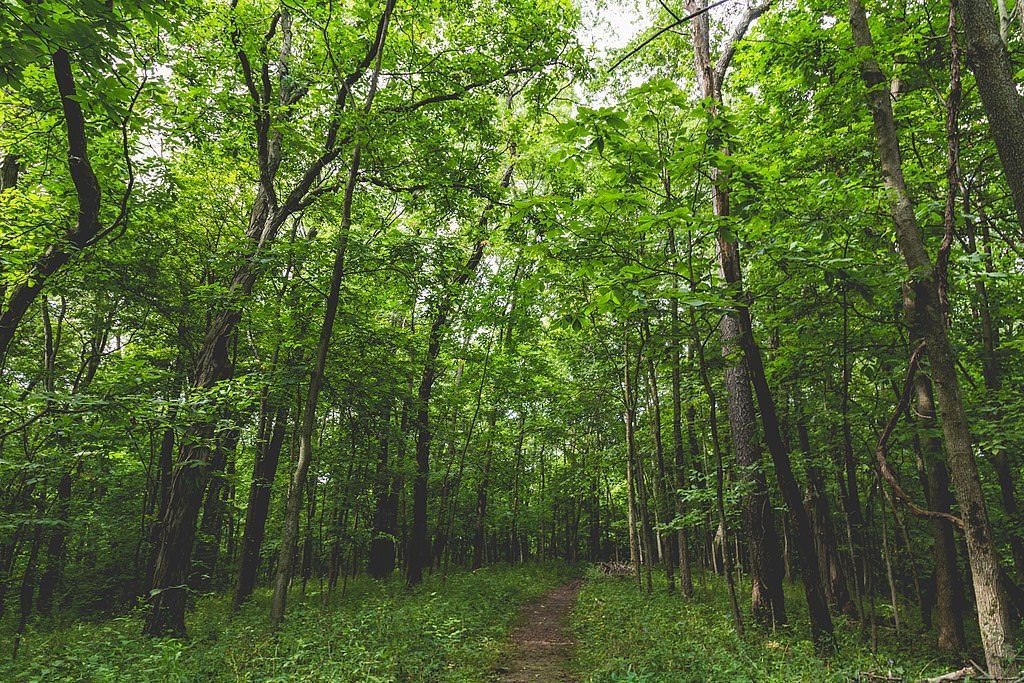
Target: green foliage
{"x": 628, "y": 636}
{"x": 451, "y": 629}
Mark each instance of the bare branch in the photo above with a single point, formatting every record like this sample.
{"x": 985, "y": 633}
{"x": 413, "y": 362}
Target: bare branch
{"x": 738, "y": 31}
{"x": 661, "y": 31}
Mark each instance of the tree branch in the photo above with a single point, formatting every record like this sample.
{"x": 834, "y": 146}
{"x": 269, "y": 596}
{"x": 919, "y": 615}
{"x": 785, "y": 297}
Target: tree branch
{"x": 883, "y": 464}
{"x": 738, "y": 31}
{"x": 664, "y": 30}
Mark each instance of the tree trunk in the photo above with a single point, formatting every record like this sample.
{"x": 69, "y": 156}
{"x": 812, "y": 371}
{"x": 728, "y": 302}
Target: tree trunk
{"x": 55, "y": 549}
{"x": 268, "y": 453}
{"x": 294, "y": 496}
{"x": 647, "y": 541}
{"x": 767, "y": 599}
{"x": 994, "y": 73}
{"x": 737, "y": 618}
{"x": 993, "y": 612}
{"x": 678, "y": 454}
{"x": 479, "y": 521}
{"x": 949, "y": 590}
{"x": 382, "y": 543}
{"x": 664, "y": 497}
{"x": 418, "y": 556}
{"x": 208, "y": 548}
{"x": 87, "y": 192}
{"x": 830, "y": 568}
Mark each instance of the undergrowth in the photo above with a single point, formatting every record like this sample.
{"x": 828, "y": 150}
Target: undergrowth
{"x": 625, "y": 635}
{"x": 451, "y": 629}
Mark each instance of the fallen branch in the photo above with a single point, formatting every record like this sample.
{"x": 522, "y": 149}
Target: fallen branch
{"x": 966, "y": 672}
{"x": 883, "y": 464}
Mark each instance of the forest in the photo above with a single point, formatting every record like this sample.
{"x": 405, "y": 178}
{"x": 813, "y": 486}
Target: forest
{"x": 511, "y": 340}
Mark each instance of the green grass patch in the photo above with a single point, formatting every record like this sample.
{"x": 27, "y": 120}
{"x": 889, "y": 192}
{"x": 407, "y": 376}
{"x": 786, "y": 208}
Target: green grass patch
{"x": 626, "y": 635}
{"x": 451, "y": 629}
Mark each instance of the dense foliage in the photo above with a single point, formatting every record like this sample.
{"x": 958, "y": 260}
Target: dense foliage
{"x": 293, "y": 292}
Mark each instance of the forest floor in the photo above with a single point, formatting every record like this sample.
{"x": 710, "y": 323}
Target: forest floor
{"x": 624, "y": 635}
{"x": 501, "y": 624}
{"x": 541, "y": 642}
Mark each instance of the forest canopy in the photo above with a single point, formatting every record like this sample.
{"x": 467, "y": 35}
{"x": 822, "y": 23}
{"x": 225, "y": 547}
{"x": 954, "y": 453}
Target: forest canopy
{"x": 725, "y": 297}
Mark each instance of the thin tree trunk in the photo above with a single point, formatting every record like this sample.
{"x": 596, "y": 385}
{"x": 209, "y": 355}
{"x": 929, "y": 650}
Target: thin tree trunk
{"x": 767, "y": 598}
{"x": 294, "y": 497}
{"x": 737, "y": 618}
{"x": 678, "y": 454}
{"x": 831, "y": 570}
{"x": 949, "y": 600}
{"x": 418, "y": 556}
{"x": 87, "y": 228}
{"x": 213, "y": 365}
{"x": 664, "y": 497}
{"x": 382, "y": 543}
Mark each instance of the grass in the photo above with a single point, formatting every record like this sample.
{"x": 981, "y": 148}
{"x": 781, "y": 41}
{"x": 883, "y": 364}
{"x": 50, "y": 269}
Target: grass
{"x": 451, "y": 630}
{"x": 625, "y": 635}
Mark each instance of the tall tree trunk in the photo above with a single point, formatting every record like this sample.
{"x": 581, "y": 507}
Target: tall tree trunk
{"x": 213, "y": 365}
{"x": 28, "y": 586}
{"x": 949, "y": 590}
{"x": 993, "y": 610}
{"x": 848, "y": 489}
{"x": 479, "y": 520}
{"x": 678, "y": 454}
{"x": 664, "y": 497}
{"x": 268, "y": 453}
{"x": 208, "y": 547}
{"x": 294, "y": 496}
{"x": 737, "y": 618}
{"x": 767, "y": 598}
{"x": 87, "y": 228}
{"x": 56, "y": 547}
{"x": 382, "y": 544}
{"x": 994, "y": 73}
{"x": 418, "y": 555}
{"x": 992, "y": 375}
{"x": 830, "y": 568}
{"x": 647, "y": 541}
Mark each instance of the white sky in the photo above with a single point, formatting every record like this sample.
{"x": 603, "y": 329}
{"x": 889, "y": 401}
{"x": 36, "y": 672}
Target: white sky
{"x": 611, "y": 24}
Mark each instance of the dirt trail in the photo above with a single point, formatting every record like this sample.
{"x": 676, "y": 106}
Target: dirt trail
{"x": 541, "y": 642}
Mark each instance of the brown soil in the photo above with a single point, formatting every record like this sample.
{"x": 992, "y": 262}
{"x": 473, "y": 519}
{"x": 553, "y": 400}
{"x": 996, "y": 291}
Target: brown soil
{"x": 541, "y": 644}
